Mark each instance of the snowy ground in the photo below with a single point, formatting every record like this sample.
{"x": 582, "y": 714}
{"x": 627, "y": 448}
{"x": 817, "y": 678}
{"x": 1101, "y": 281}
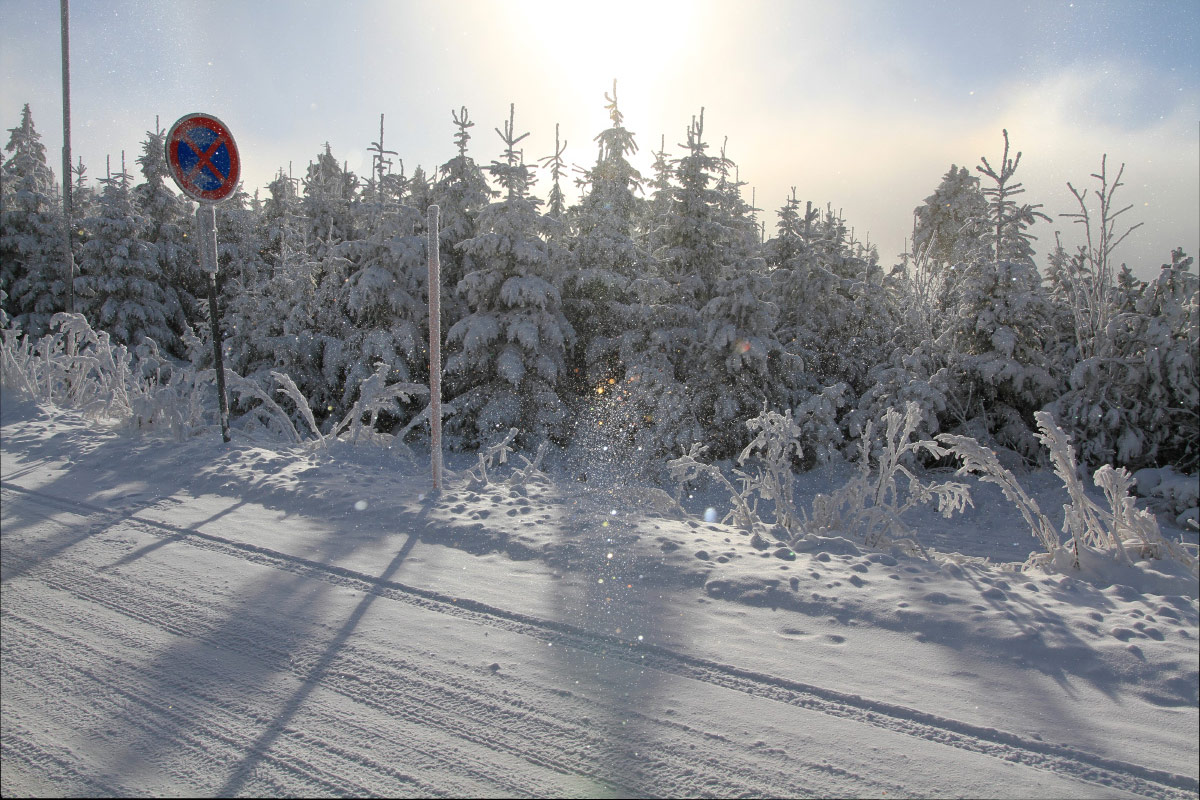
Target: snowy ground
{"x": 260, "y": 619}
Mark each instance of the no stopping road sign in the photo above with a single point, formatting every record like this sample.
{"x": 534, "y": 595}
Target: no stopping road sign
{"x": 203, "y": 158}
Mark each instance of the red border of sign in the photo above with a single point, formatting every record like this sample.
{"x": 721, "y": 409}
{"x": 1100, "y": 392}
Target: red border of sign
{"x": 176, "y": 133}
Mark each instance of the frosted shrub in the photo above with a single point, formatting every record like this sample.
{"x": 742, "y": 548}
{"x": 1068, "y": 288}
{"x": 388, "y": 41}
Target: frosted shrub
{"x": 497, "y": 453}
{"x": 375, "y": 395}
{"x": 1117, "y": 530}
{"x": 871, "y": 505}
{"x": 688, "y": 468}
{"x": 776, "y": 442}
{"x": 75, "y": 366}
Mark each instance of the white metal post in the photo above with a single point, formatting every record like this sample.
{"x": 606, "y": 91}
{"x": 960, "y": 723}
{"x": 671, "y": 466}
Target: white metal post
{"x": 435, "y": 347}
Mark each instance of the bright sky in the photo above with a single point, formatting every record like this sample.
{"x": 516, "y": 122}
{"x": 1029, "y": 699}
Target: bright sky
{"x": 862, "y": 104}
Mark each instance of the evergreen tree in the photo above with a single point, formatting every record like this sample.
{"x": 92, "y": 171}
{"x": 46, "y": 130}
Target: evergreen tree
{"x": 1135, "y": 404}
{"x": 170, "y": 223}
{"x": 383, "y": 294}
{"x": 329, "y": 191}
{"x": 1007, "y": 234}
{"x": 998, "y": 320}
{"x": 268, "y": 313}
{"x": 508, "y": 353}
{"x": 605, "y": 258}
{"x": 32, "y": 271}
{"x": 120, "y": 283}
{"x": 460, "y": 193}
{"x": 948, "y": 227}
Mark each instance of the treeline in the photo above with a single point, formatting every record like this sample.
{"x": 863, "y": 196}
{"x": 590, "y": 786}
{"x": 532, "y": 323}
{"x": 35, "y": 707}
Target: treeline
{"x": 657, "y": 307}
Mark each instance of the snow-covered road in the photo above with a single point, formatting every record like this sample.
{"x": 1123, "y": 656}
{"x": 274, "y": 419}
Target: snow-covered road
{"x": 171, "y": 642}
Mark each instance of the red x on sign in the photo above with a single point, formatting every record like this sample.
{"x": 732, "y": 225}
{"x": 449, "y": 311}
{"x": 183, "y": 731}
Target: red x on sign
{"x": 203, "y": 158}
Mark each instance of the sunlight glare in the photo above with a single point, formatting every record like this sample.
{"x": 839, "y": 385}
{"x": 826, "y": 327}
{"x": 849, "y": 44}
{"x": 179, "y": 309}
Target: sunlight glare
{"x": 590, "y": 44}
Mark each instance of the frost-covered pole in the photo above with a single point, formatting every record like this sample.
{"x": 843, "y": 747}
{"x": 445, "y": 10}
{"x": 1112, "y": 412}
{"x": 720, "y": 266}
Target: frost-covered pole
{"x": 435, "y": 347}
{"x": 206, "y": 216}
{"x": 65, "y": 12}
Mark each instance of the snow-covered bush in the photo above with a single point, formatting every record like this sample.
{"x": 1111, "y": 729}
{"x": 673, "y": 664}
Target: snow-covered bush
{"x": 75, "y": 366}
{"x": 496, "y": 453}
{"x": 1119, "y": 530}
{"x": 1171, "y": 492}
{"x": 374, "y": 396}
{"x": 871, "y": 505}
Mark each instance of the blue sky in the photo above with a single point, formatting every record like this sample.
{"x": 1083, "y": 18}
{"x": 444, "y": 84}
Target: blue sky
{"x": 861, "y": 105}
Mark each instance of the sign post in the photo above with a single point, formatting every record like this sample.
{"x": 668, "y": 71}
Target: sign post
{"x": 203, "y": 159}
{"x": 435, "y": 346}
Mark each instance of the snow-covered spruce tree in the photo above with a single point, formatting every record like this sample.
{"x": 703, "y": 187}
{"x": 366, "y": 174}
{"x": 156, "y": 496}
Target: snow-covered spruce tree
{"x": 692, "y": 244}
{"x": 170, "y": 228}
{"x": 948, "y": 227}
{"x": 32, "y": 272}
{"x": 1136, "y": 406}
{"x": 605, "y": 260}
{"x": 556, "y": 203}
{"x": 837, "y": 308}
{"x": 460, "y": 192}
{"x": 329, "y": 192}
{"x": 321, "y": 321}
{"x": 120, "y": 283}
{"x": 997, "y": 319}
{"x": 259, "y": 312}
{"x": 383, "y": 297}
{"x": 242, "y": 278}
{"x": 1007, "y": 234}
{"x": 740, "y": 367}
{"x": 509, "y": 353}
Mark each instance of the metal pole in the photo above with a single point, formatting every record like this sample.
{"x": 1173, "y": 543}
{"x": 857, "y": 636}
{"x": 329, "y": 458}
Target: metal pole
{"x": 435, "y": 347}
{"x": 208, "y": 250}
{"x": 64, "y": 9}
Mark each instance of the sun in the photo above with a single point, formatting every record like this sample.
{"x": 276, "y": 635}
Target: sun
{"x": 589, "y": 44}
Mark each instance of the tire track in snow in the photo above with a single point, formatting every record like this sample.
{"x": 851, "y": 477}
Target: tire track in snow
{"x": 427, "y": 698}
{"x": 1057, "y": 759}
{"x": 237, "y": 721}
{"x": 457, "y": 700}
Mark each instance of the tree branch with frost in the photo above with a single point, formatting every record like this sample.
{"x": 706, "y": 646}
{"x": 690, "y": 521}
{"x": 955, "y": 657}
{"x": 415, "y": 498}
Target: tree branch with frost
{"x": 688, "y": 467}
{"x": 1092, "y": 289}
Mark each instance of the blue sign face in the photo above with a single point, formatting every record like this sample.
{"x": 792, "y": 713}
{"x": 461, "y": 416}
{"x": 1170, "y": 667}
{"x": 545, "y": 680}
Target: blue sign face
{"x": 207, "y": 167}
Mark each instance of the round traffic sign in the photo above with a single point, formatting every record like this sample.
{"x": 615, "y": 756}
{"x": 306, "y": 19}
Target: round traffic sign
{"x": 203, "y": 158}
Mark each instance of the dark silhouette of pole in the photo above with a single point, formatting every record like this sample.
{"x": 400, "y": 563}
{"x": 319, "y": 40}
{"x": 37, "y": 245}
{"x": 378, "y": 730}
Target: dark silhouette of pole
{"x": 65, "y": 10}
{"x": 206, "y": 218}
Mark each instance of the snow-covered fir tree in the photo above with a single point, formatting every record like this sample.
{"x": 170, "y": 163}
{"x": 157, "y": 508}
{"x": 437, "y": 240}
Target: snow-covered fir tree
{"x": 739, "y": 367}
{"x": 998, "y": 318}
{"x": 605, "y": 258}
{"x": 461, "y": 192}
{"x": 32, "y": 272}
{"x": 383, "y": 296}
{"x": 120, "y": 283}
{"x": 948, "y": 228}
{"x": 170, "y": 234}
{"x": 508, "y": 355}
{"x": 267, "y": 316}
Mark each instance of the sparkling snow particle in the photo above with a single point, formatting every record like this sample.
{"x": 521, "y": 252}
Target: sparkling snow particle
{"x": 710, "y": 514}
{"x": 361, "y": 505}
